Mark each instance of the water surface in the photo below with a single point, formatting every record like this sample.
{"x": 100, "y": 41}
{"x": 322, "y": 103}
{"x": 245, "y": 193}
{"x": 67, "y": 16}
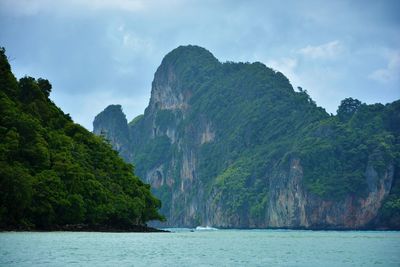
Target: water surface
{"x": 201, "y": 248}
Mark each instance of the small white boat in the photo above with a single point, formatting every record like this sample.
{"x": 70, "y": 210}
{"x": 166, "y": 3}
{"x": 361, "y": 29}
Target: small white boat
{"x": 207, "y": 228}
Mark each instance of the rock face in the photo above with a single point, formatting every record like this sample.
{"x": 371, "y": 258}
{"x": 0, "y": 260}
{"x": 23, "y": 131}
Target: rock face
{"x": 292, "y": 206}
{"x": 233, "y": 145}
{"x": 112, "y": 124}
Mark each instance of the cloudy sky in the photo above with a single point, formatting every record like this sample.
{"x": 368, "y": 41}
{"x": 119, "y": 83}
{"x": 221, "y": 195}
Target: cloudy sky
{"x": 102, "y": 52}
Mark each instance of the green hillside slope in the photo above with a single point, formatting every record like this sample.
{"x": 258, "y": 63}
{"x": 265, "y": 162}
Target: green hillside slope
{"x": 54, "y": 172}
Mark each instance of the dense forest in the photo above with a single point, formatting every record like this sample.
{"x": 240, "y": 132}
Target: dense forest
{"x": 55, "y": 173}
{"x": 222, "y": 143}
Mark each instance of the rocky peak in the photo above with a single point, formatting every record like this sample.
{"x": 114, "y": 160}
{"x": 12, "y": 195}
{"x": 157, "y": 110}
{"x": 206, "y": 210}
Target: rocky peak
{"x": 171, "y": 88}
{"x": 233, "y": 145}
{"x": 111, "y": 123}
{"x": 187, "y": 56}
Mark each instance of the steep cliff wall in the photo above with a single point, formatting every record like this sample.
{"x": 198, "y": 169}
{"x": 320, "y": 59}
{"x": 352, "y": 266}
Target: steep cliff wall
{"x": 111, "y": 123}
{"x": 233, "y": 145}
{"x": 292, "y": 206}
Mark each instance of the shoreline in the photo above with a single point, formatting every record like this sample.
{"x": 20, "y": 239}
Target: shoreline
{"x": 89, "y": 228}
{"x": 293, "y": 229}
{"x": 148, "y": 229}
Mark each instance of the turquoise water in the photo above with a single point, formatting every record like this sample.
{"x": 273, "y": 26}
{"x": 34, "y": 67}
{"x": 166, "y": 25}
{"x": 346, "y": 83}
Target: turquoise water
{"x": 201, "y": 248}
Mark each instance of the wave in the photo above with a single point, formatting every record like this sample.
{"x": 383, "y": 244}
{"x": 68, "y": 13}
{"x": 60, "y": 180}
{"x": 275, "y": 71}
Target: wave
{"x": 207, "y": 228}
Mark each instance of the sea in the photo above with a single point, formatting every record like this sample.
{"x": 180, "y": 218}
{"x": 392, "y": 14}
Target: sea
{"x": 201, "y": 247}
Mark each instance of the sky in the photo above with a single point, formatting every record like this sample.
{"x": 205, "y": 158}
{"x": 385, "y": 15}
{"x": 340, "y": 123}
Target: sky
{"x": 101, "y": 52}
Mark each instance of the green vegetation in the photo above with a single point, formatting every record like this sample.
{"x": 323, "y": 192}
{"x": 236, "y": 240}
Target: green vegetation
{"x": 261, "y": 126}
{"x": 54, "y": 172}
{"x": 154, "y": 153}
{"x": 244, "y": 102}
{"x": 135, "y": 120}
{"x": 335, "y": 152}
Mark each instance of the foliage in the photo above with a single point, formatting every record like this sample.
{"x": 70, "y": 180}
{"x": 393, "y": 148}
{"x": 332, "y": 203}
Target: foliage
{"x": 54, "y": 172}
{"x": 335, "y": 152}
{"x": 135, "y": 120}
{"x": 243, "y": 101}
{"x": 347, "y": 108}
{"x": 154, "y": 153}
{"x": 260, "y": 124}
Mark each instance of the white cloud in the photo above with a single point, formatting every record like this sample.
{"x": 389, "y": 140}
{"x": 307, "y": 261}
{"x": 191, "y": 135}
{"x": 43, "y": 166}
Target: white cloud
{"x": 283, "y": 64}
{"x": 129, "y": 40}
{"x": 128, "y": 45}
{"x": 33, "y": 7}
{"x": 287, "y": 66}
{"x": 127, "y": 5}
{"x": 325, "y": 51}
{"x": 392, "y": 70}
{"x": 23, "y": 7}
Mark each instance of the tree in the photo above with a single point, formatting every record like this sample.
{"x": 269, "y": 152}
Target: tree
{"x": 347, "y": 108}
{"x": 45, "y": 86}
{"x": 54, "y": 172}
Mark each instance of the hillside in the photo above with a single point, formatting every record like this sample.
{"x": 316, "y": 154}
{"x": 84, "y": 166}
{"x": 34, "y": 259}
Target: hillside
{"x": 234, "y": 145}
{"x": 54, "y": 174}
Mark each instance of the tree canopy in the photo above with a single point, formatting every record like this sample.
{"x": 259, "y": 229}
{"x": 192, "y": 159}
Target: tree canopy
{"x": 54, "y": 172}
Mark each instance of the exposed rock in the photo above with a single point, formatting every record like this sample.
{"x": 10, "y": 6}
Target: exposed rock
{"x": 292, "y": 206}
{"x": 111, "y": 123}
{"x": 208, "y": 134}
{"x": 219, "y": 143}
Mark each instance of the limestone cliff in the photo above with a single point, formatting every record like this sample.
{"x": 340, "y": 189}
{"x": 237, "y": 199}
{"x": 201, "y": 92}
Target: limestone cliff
{"x": 233, "y": 145}
{"x": 112, "y": 124}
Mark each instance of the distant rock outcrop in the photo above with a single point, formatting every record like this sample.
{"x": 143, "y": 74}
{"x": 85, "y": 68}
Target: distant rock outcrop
{"x": 111, "y": 123}
{"x": 233, "y": 145}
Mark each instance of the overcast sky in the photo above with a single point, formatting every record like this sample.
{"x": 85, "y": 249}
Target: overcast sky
{"x": 97, "y": 53}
